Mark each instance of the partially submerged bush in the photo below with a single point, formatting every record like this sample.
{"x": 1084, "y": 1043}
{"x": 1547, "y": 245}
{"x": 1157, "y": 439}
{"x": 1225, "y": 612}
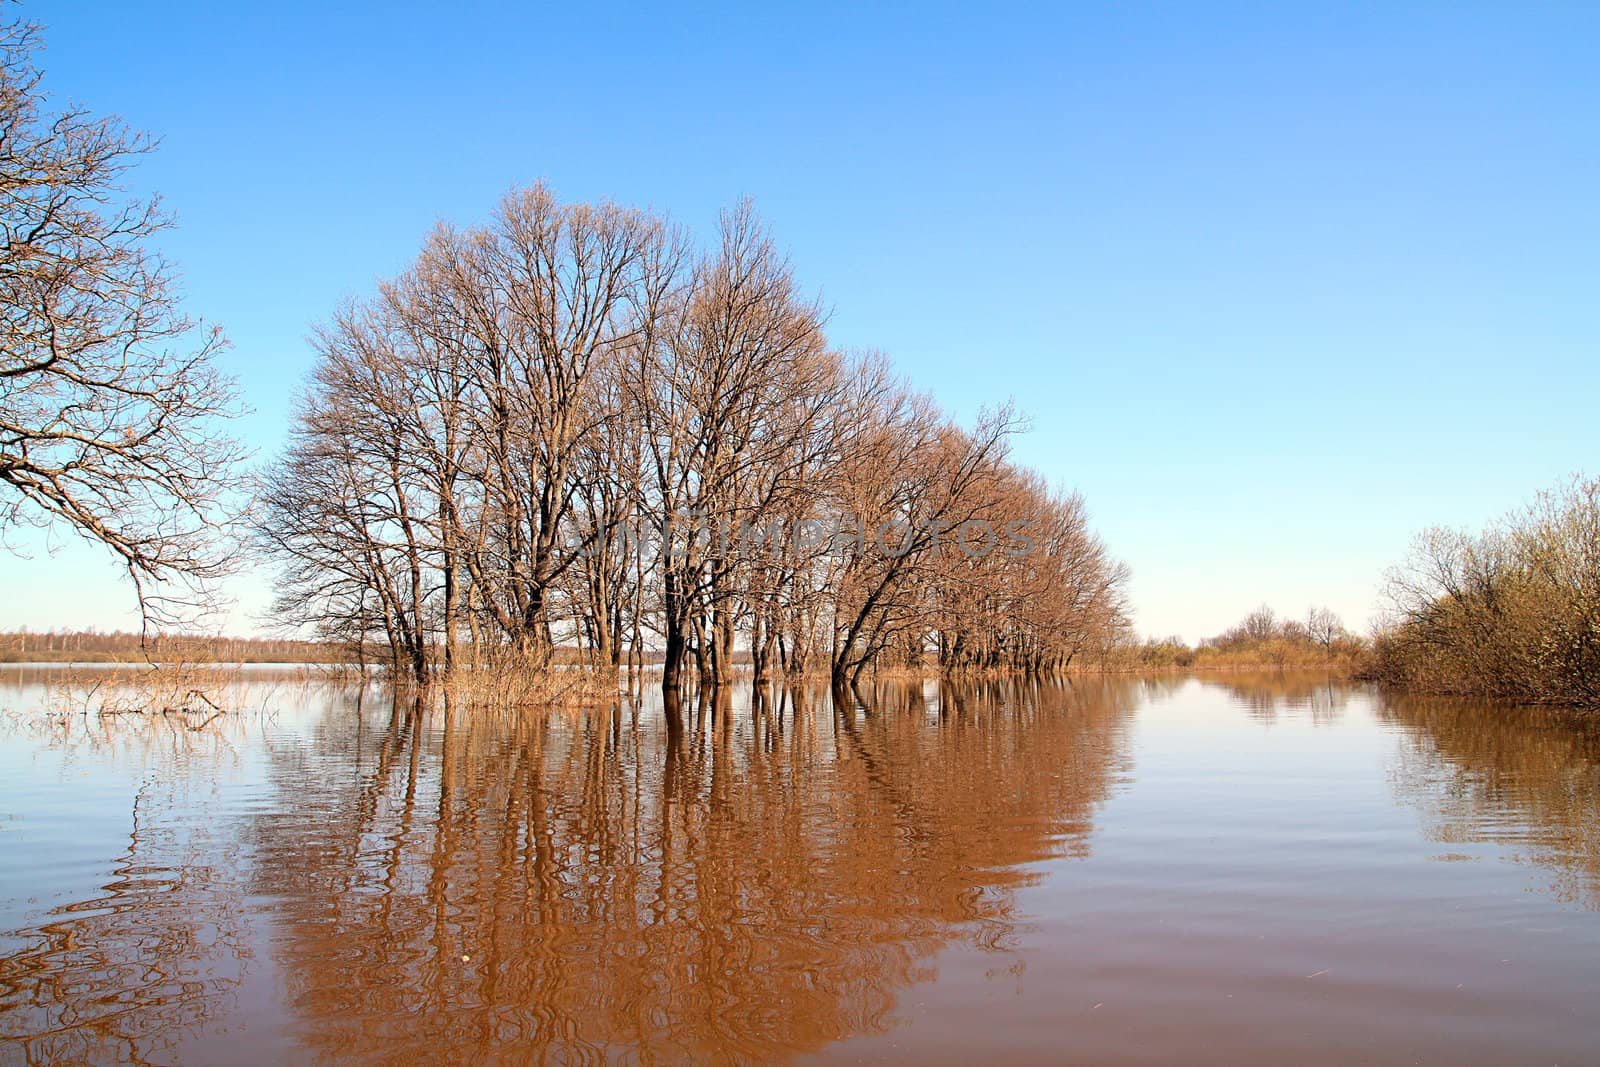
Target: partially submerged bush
{"x": 508, "y": 682}
{"x": 1512, "y": 612}
{"x": 145, "y": 689}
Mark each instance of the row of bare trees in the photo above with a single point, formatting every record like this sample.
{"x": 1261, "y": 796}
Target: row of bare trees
{"x": 571, "y": 428}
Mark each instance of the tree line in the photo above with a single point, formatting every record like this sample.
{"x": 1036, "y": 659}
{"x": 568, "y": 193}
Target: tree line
{"x": 570, "y": 427}
{"x": 1262, "y": 639}
{"x": 80, "y": 646}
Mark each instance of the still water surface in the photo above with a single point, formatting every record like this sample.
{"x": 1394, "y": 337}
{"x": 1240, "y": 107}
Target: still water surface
{"x": 1256, "y": 871}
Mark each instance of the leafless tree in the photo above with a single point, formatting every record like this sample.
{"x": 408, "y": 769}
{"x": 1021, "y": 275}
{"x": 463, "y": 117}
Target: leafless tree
{"x": 110, "y": 398}
{"x": 1260, "y": 624}
{"x": 724, "y": 401}
{"x": 350, "y": 510}
{"x": 912, "y": 481}
{"x": 1324, "y": 627}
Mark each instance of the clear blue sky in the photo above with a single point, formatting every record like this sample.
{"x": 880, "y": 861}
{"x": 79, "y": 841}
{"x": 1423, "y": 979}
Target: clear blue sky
{"x": 1278, "y": 286}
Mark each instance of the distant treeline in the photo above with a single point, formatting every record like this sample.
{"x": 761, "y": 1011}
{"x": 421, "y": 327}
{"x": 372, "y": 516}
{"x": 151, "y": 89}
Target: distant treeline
{"x": 1262, "y": 639}
{"x": 89, "y": 646}
{"x": 1511, "y": 612}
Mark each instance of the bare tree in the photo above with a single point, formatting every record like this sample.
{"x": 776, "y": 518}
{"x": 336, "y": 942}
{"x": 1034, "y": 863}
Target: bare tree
{"x": 1260, "y": 624}
{"x": 352, "y": 508}
{"x": 717, "y": 399}
{"x": 110, "y": 399}
{"x": 1324, "y": 627}
{"x": 912, "y": 481}
{"x": 554, "y": 294}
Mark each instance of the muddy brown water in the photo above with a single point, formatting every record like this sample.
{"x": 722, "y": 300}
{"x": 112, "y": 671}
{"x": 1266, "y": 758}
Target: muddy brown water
{"x": 1233, "y": 871}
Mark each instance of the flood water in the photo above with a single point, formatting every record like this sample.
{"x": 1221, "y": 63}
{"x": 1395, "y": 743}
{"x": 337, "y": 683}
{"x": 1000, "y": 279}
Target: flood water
{"x": 1238, "y": 871}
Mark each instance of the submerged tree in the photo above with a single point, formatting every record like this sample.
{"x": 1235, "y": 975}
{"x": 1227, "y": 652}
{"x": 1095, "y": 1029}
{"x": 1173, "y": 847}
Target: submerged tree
{"x": 109, "y": 395}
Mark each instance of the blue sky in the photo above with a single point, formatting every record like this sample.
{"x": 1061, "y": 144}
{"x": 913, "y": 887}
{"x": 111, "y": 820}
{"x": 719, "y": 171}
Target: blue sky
{"x": 1278, "y": 285}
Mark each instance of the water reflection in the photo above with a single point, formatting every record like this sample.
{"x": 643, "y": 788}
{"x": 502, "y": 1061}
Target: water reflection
{"x": 1524, "y": 778}
{"x": 762, "y": 880}
{"x": 125, "y": 974}
{"x": 1265, "y": 695}
{"x": 754, "y": 877}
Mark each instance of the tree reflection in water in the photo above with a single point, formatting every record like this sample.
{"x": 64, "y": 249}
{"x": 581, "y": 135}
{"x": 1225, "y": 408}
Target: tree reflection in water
{"x": 1521, "y": 777}
{"x": 730, "y": 877}
{"x": 127, "y": 974}
{"x": 733, "y": 877}
{"x": 1265, "y": 695}
{"x": 760, "y": 881}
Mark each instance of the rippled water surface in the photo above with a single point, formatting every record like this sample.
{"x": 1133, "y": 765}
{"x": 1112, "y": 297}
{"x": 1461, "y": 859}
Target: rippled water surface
{"x": 1254, "y": 871}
